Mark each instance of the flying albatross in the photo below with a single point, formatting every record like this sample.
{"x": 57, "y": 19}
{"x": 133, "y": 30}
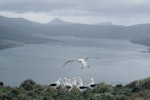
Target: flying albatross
{"x": 82, "y": 61}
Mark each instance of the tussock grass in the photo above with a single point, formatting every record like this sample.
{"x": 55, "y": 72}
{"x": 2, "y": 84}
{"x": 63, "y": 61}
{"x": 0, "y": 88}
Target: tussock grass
{"x": 30, "y": 90}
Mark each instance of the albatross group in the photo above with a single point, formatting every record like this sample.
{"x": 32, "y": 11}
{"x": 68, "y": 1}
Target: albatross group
{"x": 76, "y": 82}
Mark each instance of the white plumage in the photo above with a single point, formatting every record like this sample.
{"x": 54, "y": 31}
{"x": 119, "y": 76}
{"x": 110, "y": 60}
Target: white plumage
{"x": 80, "y": 85}
{"x": 67, "y": 84}
{"x": 82, "y": 61}
{"x": 56, "y": 84}
{"x": 92, "y": 84}
{"x": 74, "y": 82}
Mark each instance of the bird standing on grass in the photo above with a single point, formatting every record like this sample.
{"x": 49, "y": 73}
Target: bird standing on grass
{"x": 80, "y": 85}
{"x": 56, "y": 84}
{"x": 67, "y": 84}
{"x": 92, "y": 84}
{"x": 74, "y": 82}
{"x": 82, "y": 61}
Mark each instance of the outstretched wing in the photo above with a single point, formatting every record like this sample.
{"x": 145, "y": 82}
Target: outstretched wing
{"x": 91, "y": 57}
{"x": 67, "y": 62}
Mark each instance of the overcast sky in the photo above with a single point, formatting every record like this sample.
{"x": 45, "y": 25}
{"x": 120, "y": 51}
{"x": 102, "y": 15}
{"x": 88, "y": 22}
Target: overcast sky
{"x": 120, "y": 12}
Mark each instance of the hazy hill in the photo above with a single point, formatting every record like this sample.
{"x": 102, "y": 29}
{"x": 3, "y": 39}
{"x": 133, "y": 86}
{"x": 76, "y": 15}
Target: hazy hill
{"x": 20, "y": 31}
{"x": 137, "y": 33}
{"x": 58, "y": 21}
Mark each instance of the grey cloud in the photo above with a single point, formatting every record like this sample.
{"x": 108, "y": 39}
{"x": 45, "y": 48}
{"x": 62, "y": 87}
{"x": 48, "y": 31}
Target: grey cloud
{"x": 114, "y": 7}
{"x": 36, "y": 5}
{"x": 76, "y": 7}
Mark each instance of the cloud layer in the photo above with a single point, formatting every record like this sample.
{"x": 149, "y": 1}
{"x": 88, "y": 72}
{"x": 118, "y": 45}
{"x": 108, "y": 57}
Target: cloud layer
{"x": 108, "y": 9}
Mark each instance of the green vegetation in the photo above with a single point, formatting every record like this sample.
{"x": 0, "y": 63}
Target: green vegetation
{"x": 30, "y": 90}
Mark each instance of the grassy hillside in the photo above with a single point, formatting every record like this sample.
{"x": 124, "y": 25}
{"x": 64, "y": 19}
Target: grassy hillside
{"x": 30, "y": 90}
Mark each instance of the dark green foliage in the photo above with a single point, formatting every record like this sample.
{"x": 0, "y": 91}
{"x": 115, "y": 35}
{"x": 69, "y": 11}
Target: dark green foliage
{"x": 30, "y": 90}
{"x": 1, "y": 84}
{"x": 28, "y": 84}
{"x": 103, "y": 88}
{"x": 119, "y": 86}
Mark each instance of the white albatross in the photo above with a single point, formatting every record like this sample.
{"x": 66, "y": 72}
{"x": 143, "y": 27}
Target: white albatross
{"x": 80, "y": 85}
{"x": 67, "y": 85}
{"x": 82, "y": 61}
{"x": 56, "y": 84}
{"x": 92, "y": 84}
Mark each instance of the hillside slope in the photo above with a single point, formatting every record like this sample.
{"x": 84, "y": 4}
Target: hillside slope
{"x": 18, "y": 31}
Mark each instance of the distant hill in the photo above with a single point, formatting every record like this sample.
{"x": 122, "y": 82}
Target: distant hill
{"x": 145, "y": 41}
{"x": 18, "y": 32}
{"x": 58, "y": 21}
{"x": 22, "y": 31}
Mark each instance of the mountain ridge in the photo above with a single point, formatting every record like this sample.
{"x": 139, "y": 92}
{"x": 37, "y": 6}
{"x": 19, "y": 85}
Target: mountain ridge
{"x": 57, "y": 21}
{"x": 22, "y": 30}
